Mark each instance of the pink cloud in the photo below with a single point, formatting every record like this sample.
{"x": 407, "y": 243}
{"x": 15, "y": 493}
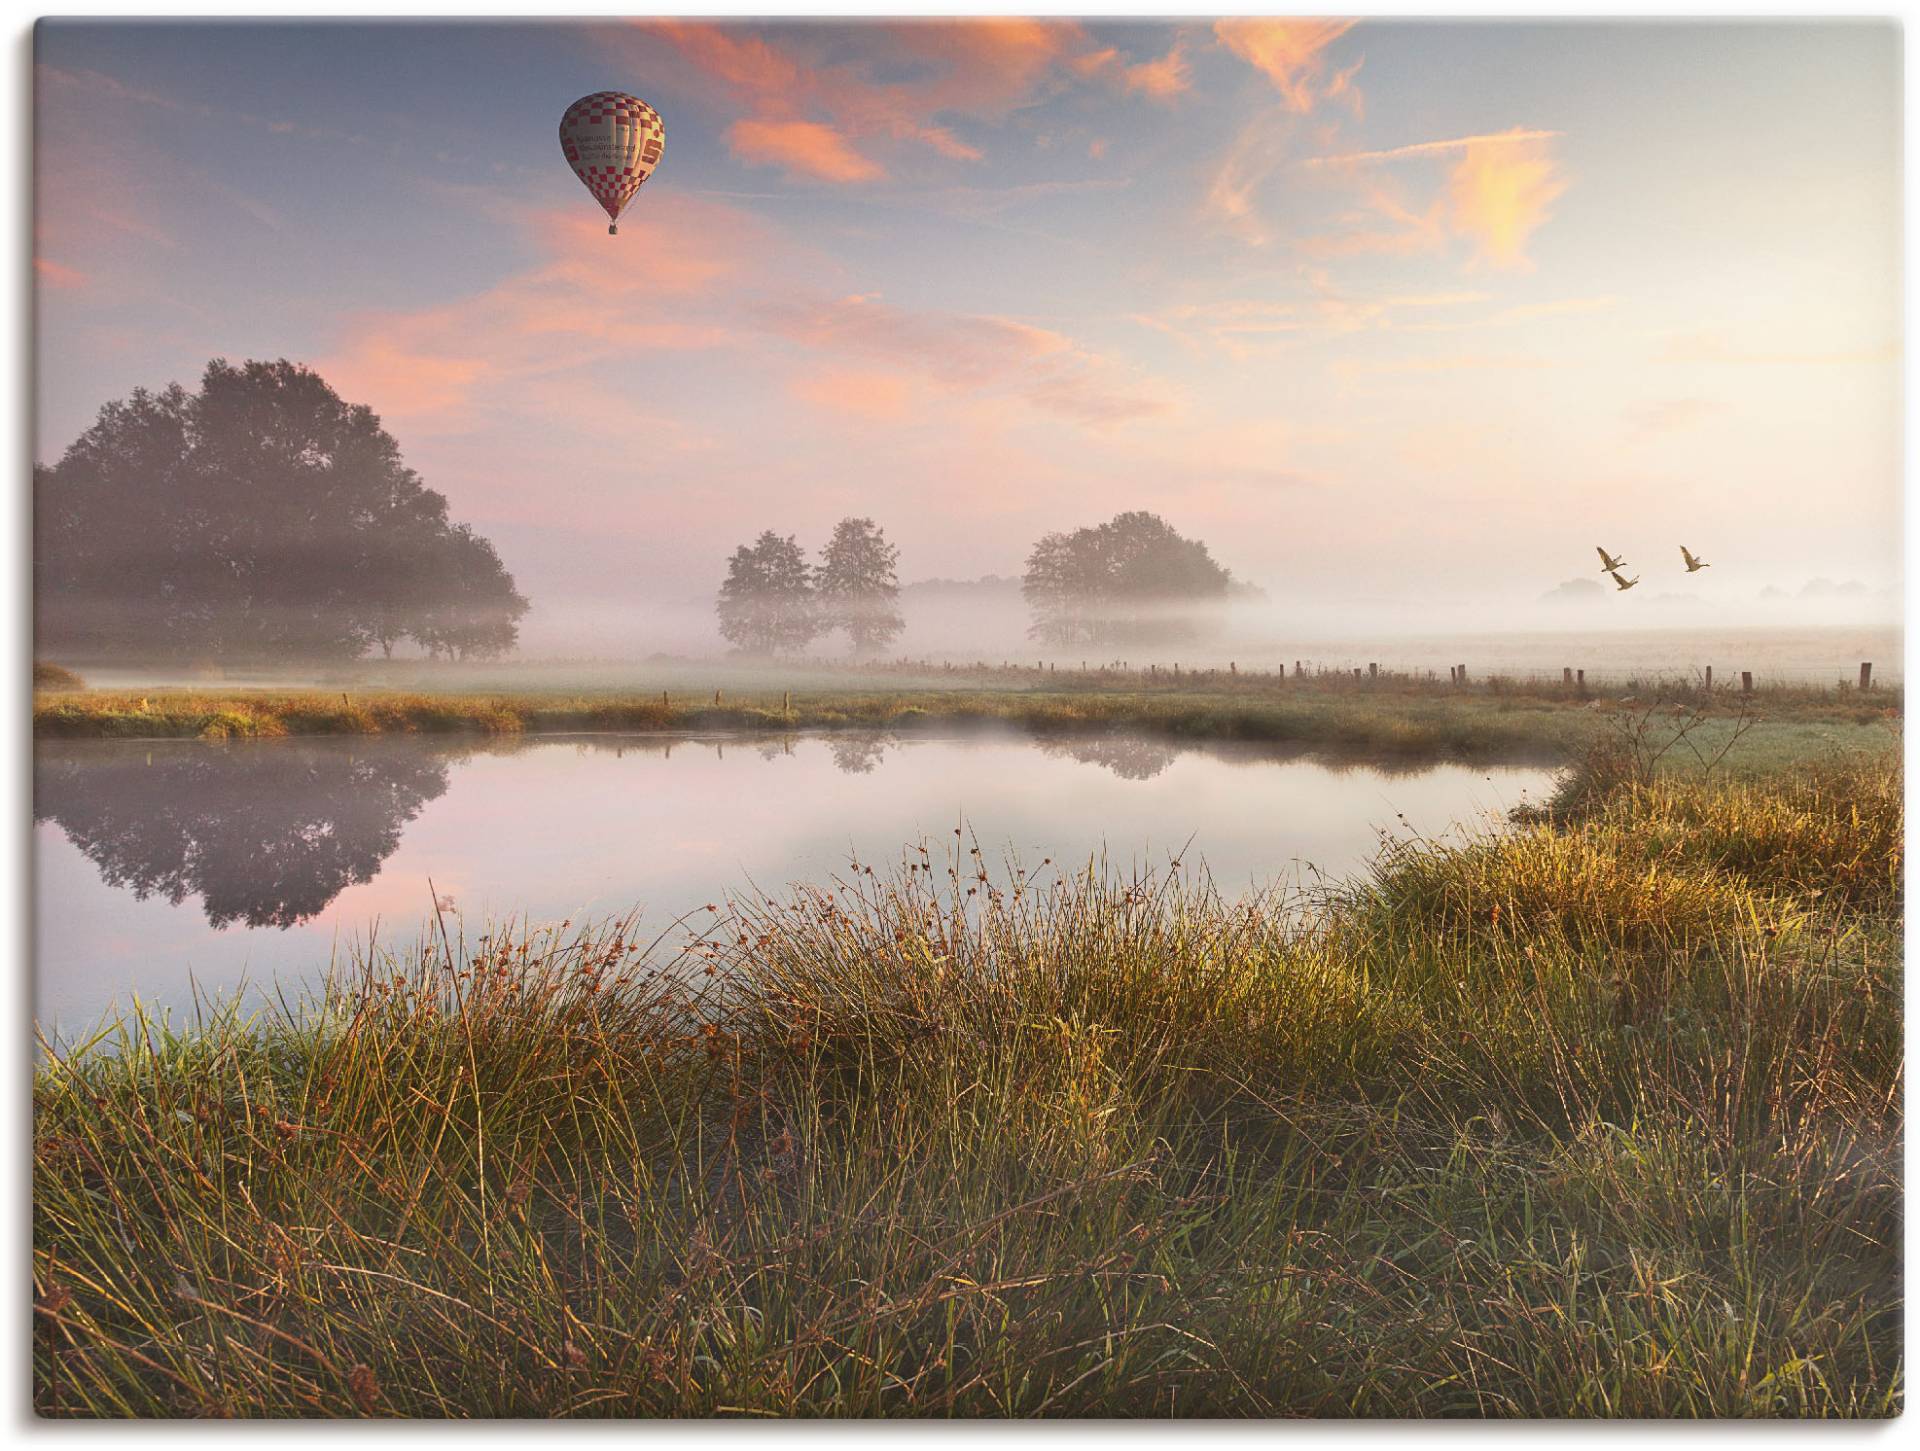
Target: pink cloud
{"x": 52, "y": 274}
{"x": 802, "y": 148}
{"x": 1291, "y": 53}
{"x": 977, "y": 69}
{"x": 974, "y": 354}
{"x": 1161, "y": 79}
{"x": 657, "y": 288}
{"x": 865, "y": 393}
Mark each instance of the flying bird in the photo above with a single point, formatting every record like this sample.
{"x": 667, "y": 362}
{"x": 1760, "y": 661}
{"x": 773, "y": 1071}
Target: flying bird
{"x": 1623, "y": 583}
{"x": 1607, "y": 562}
{"x": 1692, "y": 562}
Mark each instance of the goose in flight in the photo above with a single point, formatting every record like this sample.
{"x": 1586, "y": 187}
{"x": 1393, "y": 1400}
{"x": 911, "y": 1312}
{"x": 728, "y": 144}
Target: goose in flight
{"x": 1693, "y": 562}
{"x": 1623, "y": 583}
{"x": 1607, "y": 562}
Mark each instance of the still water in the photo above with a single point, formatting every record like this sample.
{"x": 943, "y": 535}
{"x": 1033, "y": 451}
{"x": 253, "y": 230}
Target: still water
{"x": 168, "y": 864}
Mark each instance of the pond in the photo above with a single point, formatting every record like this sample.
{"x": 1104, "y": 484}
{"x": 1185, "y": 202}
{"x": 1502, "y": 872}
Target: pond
{"x": 166, "y": 866}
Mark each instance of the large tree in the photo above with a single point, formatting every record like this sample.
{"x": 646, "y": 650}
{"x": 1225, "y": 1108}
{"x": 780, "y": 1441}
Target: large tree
{"x": 259, "y": 518}
{"x": 1133, "y": 580}
{"x": 858, "y": 589}
{"x": 767, "y": 604}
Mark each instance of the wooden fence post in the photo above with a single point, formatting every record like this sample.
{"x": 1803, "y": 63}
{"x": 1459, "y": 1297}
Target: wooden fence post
{"x": 1746, "y": 682}
{"x": 716, "y": 695}
{"x": 1566, "y": 675}
{"x": 1373, "y": 669}
{"x": 1463, "y": 674}
{"x": 1709, "y": 680}
{"x": 1866, "y": 675}
{"x": 1580, "y": 679}
{"x": 786, "y": 702}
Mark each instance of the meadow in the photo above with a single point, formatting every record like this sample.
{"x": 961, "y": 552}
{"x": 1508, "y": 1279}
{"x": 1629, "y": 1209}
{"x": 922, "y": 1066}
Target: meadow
{"x": 1405, "y": 716}
{"x": 1600, "y": 1116}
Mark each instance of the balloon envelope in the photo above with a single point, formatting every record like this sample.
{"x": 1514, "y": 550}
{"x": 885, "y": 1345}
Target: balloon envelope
{"x": 613, "y": 142}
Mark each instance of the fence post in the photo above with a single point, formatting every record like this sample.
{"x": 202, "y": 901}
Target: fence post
{"x": 1709, "y": 680}
{"x": 1566, "y": 675}
{"x": 1866, "y": 675}
{"x": 786, "y": 702}
{"x": 716, "y": 695}
{"x": 664, "y": 703}
{"x": 1580, "y": 679}
{"x": 1233, "y": 669}
{"x": 1463, "y": 674}
{"x": 1746, "y": 682}
{"x": 1373, "y": 669}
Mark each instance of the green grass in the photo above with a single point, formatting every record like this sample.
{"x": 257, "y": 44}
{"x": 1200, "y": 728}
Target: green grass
{"x": 1601, "y": 1116}
{"x": 1392, "y": 717}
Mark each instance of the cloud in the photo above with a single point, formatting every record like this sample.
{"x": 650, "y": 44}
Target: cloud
{"x": 1498, "y": 193}
{"x": 1515, "y": 137}
{"x": 865, "y": 393}
{"x": 1232, "y": 190}
{"x": 52, "y": 274}
{"x": 962, "y": 353}
{"x": 1501, "y": 193}
{"x": 583, "y": 305}
{"x": 803, "y": 148}
{"x": 1243, "y": 327}
{"x": 1161, "y": 79}
{"x": 1292, "y": 54}
{"x": 896, "y": 88}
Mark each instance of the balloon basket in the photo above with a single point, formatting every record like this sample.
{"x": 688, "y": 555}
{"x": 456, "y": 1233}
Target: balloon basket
{"x": 612, "y": 231}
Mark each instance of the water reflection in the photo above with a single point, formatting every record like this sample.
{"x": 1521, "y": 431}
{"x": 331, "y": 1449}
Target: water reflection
{"x": 268, "y": 834}
{"x": 267, "y": 837}
{"x": 1131, "y": 758}
{"x": 161, "y": 866}
{"x": 857, "y": 753}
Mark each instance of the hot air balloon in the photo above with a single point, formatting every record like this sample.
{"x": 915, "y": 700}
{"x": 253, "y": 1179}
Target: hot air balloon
{"x": 613, "y": 142}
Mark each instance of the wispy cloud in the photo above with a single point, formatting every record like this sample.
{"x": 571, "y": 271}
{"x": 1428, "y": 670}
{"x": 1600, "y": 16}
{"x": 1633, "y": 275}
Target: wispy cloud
{"x": 963, "y": 353}
{"x": 447, "y": 368}
{"x": 1502, "y": 192}
{"x": 1518, "y": 136}
{"x": 821, "y": 110}
{"x": 1292, "y": 54}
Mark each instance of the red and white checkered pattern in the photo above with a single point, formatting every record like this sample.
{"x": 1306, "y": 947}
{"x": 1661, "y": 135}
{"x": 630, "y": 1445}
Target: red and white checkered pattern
{"x": 613, "y": 142}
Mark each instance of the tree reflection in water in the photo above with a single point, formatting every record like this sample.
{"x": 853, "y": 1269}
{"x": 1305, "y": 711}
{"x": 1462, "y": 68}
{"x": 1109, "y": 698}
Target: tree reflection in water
{"x": 1132, "y": 758}
{"x": 857, "y": 754}
{"x": 263, "y": 833}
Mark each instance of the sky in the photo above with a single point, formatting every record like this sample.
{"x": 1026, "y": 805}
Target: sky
{"x": 1402, "y": 318}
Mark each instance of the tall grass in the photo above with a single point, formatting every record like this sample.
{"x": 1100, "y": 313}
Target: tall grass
{"x": 1597, "y": 1117}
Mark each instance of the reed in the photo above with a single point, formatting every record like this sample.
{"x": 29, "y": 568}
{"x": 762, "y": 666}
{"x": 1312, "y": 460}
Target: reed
{"x": 1598, "y": 1116}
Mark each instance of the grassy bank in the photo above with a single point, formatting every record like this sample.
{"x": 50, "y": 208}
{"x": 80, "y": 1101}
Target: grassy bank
{"x": 1602, "y": 1117}
{"x": 1399, "y": 716}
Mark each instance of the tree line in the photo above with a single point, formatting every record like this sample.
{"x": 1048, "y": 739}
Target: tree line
{"x": 1132, "y": 580}
{"x": 774, "y": 602}
{"x": 259, "y": 518}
